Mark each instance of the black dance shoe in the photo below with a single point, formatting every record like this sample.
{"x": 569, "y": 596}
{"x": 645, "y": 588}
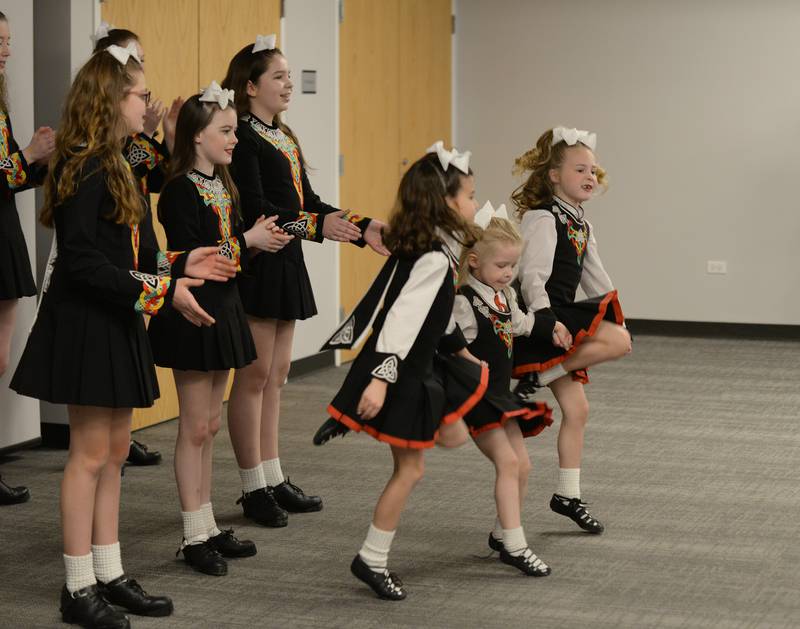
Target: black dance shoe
{"x": 527, "y": 562}
{"x": 140, "y": 455}
{"x": 574, "y": 509}
{"x": 496, "y": 544}
{"x": 227, "y": 545}
{"x": 127, "y": 593}
{"x": 385, "y": 584}
{"x": 261, "y": 507}
{"x": 203, "y": 558}
{"x": 330, "y": 428}
{"x": 291, "y": 497}
{"x": 87, "y": 608}
{"x": 13, "y": 495}
{"x": 527, "y": 388}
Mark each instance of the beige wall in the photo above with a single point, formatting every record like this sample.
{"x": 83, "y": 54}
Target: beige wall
{"x": 697, "y": 110}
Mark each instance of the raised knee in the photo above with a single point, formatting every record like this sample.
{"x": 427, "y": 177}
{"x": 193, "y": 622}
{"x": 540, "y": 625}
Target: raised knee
{"x": 626, "y": 345}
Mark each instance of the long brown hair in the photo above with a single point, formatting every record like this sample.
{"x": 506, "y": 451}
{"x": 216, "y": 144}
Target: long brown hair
{"x": 540, "y": 160}
{"x": 92, "y": 126}
{"x": 421, "y": 208}
{"x": 115, "y": 37}
{"x": 3, "y": 88}
{"x": 195, "y": 116}
{"x": 247, "y": 66}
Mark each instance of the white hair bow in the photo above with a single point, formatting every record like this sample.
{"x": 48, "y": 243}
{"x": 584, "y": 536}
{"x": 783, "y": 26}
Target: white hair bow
{"x": 102, "y": 31}
{"x": 459, "y": 160}
{"x": 264, "y": 42}
{"x": 485, "y": 215}
{"x": 573, "y": 136}
{"x": 215, "y": 94}
{"x": 123, "y": 54}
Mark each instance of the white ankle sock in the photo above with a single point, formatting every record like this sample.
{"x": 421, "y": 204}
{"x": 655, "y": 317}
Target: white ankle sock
{"x": 107, "y": 562}
{"x": 252, "y": 479}
{"x": 514, "y": 541}
{"x": 375, "y": 551}
{"x": 273, "y": 475}
{"x": 569, "y": 482}
{"x": 554, "y": 373}
{"x": 211, "y": 523}
{"x": 80, "y": 572}
{"x": 195, "y": 529}
{"x": 497, "y": 532}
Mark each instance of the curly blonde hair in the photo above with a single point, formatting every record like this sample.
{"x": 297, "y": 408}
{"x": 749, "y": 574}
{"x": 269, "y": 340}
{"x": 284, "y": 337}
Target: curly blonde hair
{"x": 540, "y": 160}
{"x": 498, "y": 231}
{"x": 92, "y": 126}
{"x": 421, "y": 208}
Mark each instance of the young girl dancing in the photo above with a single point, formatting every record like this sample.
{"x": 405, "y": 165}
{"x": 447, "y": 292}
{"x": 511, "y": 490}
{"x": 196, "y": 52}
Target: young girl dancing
{"x": 406, "y": 385}
{"x": 486, "y": 310}
{"x": 198, "y": 207}
{"x": 560, "y": 254}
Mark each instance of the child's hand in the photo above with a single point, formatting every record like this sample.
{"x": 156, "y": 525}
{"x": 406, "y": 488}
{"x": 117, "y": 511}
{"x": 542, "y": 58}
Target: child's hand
{"x": 561, "y": 336}
{"x": 465, "y": 353}
{"x": 372, "y": 399}
{"x": 152, "y": 117}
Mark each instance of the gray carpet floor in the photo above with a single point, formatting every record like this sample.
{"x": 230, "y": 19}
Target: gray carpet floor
{"x": 692, "y": 462}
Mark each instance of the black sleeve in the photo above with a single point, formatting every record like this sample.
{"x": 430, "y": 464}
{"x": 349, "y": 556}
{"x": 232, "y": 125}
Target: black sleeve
{"x": 88, "y": 266}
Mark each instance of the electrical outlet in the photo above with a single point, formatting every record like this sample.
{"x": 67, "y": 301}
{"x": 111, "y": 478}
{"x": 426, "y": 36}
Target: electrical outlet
{"x": 717, "y": 267}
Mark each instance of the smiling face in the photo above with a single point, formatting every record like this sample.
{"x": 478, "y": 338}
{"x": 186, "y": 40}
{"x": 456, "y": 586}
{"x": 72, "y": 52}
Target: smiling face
{"x": 495, "y": 264}
{"x": 463, "y": 201}
{"x": 575, "y": 180}
{"x": 273, "y": 90}
{"x": 133, "y": 104}
{"x": 215, "y": 143}
{"x": 5, "y": 45}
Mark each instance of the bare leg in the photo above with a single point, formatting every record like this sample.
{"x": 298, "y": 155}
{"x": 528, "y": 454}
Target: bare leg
{"x": 89, "y": 448}
{"x": 409, "y": 467}
{"x": 8, "y": 314}
{"x": 219, "y": 382}
{"x": 195, "y": 399}
{"x": 611, "y": 341}
{"x": 496, "y": 447}
{"x": 575, "y": 413}
{"x": 246, "y": 400}
{"x": 271, "y": 405}
{"x": 107, "y": 496}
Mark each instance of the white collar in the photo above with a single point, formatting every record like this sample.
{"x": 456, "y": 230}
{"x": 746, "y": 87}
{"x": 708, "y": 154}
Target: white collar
{"x": 451, "y": 245}
{"x": 487, "y": 293}
{"x": 574, "y": 212}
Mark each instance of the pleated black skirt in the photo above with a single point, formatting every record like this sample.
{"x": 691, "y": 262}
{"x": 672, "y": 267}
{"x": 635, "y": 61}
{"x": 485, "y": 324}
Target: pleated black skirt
{"x": 16, "y": 278}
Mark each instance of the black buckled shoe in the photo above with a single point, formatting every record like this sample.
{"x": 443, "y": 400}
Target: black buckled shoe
{"x": 385, "y": 584}
{"x": 13, "y": 495}
{"x": 203, "y": 558}
{"x": 261, "y": 507}
{"x": 140, "y": 455}
{"x": 293, "y": 499}
{"x": 127, "y": 593}
{"x": 527, "y": 388}
{"x": 527, "y": 562}
{"x": 495, "y": 544}
{"x": 87, "y": 608}
{"x": 330, "y": 428}
{"x": 576, "y": 510}
{"x": 228, "y": 545}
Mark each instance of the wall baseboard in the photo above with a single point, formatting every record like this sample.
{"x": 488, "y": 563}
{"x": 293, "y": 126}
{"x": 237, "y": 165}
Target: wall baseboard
{"x": 309, "y": 364}
{"x": 31, "y": 443}
{"x": 755, "y": 331}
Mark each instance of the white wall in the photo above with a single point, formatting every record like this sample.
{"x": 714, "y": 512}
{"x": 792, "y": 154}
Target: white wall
{"x": 19, "y": 416}
{"x": 697, "y": 110}
{"x": 310, "y": 42}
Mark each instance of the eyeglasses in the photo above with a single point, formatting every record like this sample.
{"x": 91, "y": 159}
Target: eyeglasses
{"x": 145, "y": 96}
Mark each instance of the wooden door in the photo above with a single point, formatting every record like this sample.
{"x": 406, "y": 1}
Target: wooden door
{"x": 225, "y": 28}
{"x": 169, "y": 36}
{"x": 395, "y": 101}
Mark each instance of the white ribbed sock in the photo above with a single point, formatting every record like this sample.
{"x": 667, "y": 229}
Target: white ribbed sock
{"x": 252, "y": 479}
{"x": 211, "y": 523}
{"x": 554, "y": 373}
{"x": 497, "y": 531}
{"x": 80, "y": 572}
{"x": 375, "y": 551}
{"x": 107, "y": 562}
{"x": 273, "y": 475}
{"x": 514, "y": 541}
{"x": 195, "y": 529}
{"x": 569, "y": 482}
